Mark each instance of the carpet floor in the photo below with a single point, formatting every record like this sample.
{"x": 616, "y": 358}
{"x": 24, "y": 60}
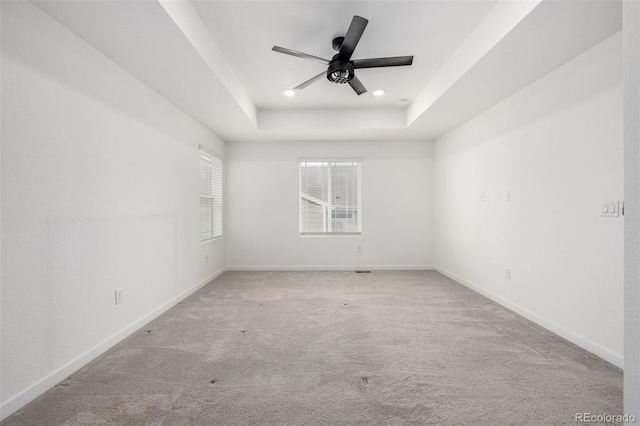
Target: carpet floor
{"x": 334, "y": 348}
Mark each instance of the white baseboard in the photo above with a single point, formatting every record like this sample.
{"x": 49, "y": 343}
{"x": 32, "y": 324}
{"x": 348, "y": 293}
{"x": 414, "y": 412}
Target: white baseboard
{"x": 330, "y": 268}
{"x": 585, "y": 344}
{"x": 23, "y": 398}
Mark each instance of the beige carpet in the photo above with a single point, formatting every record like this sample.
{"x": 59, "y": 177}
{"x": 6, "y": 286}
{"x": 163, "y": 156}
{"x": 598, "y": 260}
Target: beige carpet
{"x": 334, "y": 348}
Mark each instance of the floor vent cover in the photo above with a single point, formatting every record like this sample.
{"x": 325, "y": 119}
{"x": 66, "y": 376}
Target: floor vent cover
{"x": 363, "y": 272}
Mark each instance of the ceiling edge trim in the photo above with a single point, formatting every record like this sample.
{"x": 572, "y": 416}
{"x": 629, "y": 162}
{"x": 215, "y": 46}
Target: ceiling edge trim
{"x": 188, "y": 20}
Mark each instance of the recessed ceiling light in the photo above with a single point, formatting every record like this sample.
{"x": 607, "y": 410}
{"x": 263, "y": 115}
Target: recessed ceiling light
{"x": 289, "y": 92}
{"x": 378, "y": 92}
{"x": 402, "y": 102}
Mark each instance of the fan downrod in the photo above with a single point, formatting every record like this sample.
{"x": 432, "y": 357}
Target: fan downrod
{"x": 337, "y": 43}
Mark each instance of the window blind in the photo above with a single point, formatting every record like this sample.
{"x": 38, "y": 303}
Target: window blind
{"x": 330, "y": 197}
{"x": 210, "y": 195}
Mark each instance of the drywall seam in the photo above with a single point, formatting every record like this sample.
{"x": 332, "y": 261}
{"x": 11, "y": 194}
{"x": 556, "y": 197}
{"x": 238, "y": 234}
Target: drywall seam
{"x": 330, "y": 268}
{"x": 23, "y": 398}
{"x": 585, "y": 344}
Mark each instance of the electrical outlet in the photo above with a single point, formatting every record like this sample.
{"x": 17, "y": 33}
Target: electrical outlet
{"x": 507, "y": 195}
{"x": 119, "y": 296}
{"x": 359, "y": 249}
{"x": 507, "y": 273}
{"x": 482, "y": 196}
{"x": 206, "y": 258}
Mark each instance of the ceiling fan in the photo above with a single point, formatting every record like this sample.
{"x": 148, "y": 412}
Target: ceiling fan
{"x": 341, "y": 69}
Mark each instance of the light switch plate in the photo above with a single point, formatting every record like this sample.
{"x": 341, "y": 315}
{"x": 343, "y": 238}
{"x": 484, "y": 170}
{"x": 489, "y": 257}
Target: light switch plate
{"x": 610, "y": 209}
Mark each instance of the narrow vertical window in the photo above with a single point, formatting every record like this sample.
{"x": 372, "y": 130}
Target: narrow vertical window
{"x": 330, "y": 197}
{"x": 210, "y": 195}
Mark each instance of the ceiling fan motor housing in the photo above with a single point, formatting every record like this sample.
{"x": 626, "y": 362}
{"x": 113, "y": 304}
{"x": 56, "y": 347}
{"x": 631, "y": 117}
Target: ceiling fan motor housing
{"x": 340, "y": 72}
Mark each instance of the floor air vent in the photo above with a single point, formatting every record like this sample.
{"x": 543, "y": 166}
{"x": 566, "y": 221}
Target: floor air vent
{"x": 363, "y": 272}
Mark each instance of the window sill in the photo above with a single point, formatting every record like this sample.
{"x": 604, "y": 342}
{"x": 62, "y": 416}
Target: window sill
{"x": 343, "y": 234}
{"x": 208, "y": 240}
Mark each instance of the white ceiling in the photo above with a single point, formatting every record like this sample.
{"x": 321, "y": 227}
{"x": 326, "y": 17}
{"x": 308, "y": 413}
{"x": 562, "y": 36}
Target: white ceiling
{"x": 430, "y": 31}
{"x": 213, "y": 59}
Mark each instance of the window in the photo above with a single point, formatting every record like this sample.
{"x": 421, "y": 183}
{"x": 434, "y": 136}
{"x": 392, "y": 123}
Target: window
{"x": 210, "y": 195}
{"x": 330, "y": 197}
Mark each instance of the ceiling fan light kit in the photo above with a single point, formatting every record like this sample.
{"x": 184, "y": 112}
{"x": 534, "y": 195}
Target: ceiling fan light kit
{"x": 341, "y": 69}
{"x": 340, "y": 72}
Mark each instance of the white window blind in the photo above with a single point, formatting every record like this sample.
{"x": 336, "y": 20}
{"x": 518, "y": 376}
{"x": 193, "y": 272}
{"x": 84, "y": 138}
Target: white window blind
{"x": 210, "y": 195}
{"x": 330, "y": 197}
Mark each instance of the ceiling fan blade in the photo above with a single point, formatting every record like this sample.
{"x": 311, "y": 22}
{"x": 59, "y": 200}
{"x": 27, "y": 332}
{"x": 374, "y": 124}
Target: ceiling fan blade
{"x": 396, "y": 61}
{"x": 310, "y": 81}
{"x": 300, "y": 54}
{"x": 358, "y": 24}
{"x": 357, "y": 85}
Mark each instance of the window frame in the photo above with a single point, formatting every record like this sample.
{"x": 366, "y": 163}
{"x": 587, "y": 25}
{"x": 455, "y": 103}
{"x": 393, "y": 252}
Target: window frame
{"x": 358, "y": 189}
{"x": 216, "y": 195}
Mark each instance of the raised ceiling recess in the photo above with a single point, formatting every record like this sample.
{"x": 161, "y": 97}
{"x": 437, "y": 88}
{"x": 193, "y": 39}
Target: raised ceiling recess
{"x": 214, "y": 59}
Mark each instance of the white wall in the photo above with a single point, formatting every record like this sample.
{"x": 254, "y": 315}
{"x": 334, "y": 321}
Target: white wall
{"x": 263, "y": 207}
{"x": 631, "y": 43}
{"x": 99, "y": 191}
{"x": 557, "y": 145}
